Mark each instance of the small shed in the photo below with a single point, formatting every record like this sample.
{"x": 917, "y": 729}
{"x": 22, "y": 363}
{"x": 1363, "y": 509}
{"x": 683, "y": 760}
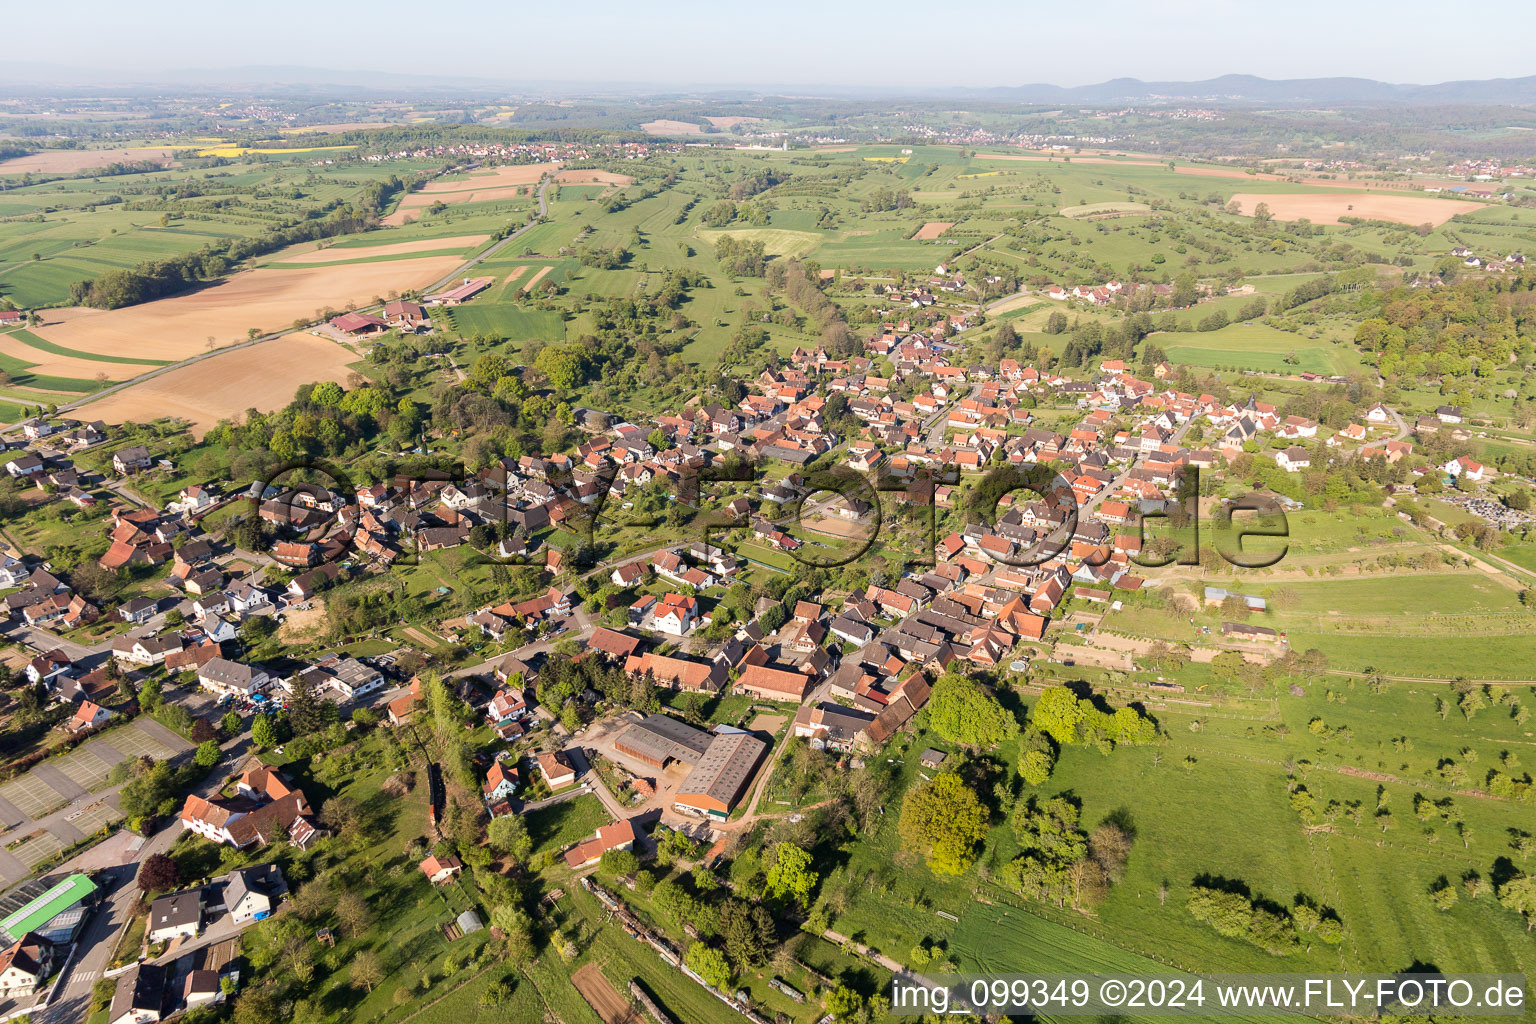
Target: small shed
{"x": 932, "y": 758}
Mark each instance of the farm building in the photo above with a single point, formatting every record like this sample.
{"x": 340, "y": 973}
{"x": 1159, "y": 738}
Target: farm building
{"x": 359, "y": 325}
{"x": 720, "y": 778}
{"x": 406, "y": 315}
{"x": 658, "y": 740}
{"x": 460, "y": 293}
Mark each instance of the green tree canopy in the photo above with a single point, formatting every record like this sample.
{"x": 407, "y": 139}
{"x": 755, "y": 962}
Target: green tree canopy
{"x": 944, "y": 820}
{"x": 963, "y": 711}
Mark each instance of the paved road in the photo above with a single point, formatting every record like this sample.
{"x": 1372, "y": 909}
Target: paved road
{"x": 73, "y": 996}
{"x": 990, "y": 306}
{"x": 937, "y": 425}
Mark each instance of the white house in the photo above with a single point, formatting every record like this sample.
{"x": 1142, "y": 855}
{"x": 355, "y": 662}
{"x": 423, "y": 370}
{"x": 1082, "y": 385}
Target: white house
{"x": 676, "y": 614}
{"x": 223, "y": 676}
{"x": 500, "y": 782}
{"x": 1466, "y": 468}
{"x": 251, "y": 893}
{"x": 217, "y": 628}
{"x": 88, "y": 716}
{"x": 179, "y": 915}
{"x": 24, "y": 465}
{"x": 13, "y": 572}
{"x": 24, "y": 966}
{"x": 1378, "y": 413}
{"x": 245, "y": 598}
{"x": 194, "y": 499}
{"x": 146, "y": 650}
{"x": 439, "y": 871}
{"x": 1293, "y": 459}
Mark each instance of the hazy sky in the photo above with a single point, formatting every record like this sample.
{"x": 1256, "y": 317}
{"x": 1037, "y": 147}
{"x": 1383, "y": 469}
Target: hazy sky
{"x": 890, "y": 42}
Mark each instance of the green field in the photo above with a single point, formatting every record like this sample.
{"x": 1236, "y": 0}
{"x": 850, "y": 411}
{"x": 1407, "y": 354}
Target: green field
{"x": 506, "y": 320}
{"x": 1256, "y": 347}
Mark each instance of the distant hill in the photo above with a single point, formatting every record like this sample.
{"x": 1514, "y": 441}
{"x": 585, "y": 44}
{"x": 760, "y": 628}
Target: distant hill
{"x": 21, "y": 78}
{"x": 1289, "y": 91}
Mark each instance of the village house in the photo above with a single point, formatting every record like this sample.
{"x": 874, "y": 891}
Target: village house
{"x": 24, "y": 966}
{"x": 89, "y": 715}
{"x": 500, "y": 782}
{"x": 620, "y": 835}
{"x": 130, "y": 460}
{"x": 265, "y": 805}
{"x": 178, "y": 915}
{"x": 1465, "y": 468}
{"x": 1293, "y": 459}
{"x": 439, "y": 870}
{"x": 146, "y": 650}
{"x": 557, "y": 769}
{"x": 139, "y": 996}
{"x": 232, "y": 678}
{"x": 250, "y": 894}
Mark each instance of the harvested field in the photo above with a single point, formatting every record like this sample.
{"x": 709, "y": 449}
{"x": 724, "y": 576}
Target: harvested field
{"x": 48, "y": 364}
{"x": 1009, "y": 305}
{"x": 1116, "y": 660}
{"x": 933, "y": 229}
{"x": 421, "y": 637}
{"x": 666, "y": 127}
{"x": 834, "y": 526}
{"x": 730, "y": 121}
{"x": 536, "y": 278}
{"x": 495, "y": 177}
{"x": 1327, "y": 209}
{"x": 1228, "y": 172}
{"x": 834, "y": 149}
{"x": 262, "y": 376}
{"x": 267, "y": 298}
{"x": 512, "y": 277}
{"x": 332, "y": 129}
{"x": 600, "y": 994}
{"x": 345, "y": 254}
{"x": 1202, "y": 171}
{"x": 770, "y": 724}
{"x": 1092, "y": 210}
{"x": 68, "y": 161}
{"x": 301, "y": 625}
{"x": 593, "y": 178}
{"x": 1061, "y": 157}
{"x": 480, "y": 187}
